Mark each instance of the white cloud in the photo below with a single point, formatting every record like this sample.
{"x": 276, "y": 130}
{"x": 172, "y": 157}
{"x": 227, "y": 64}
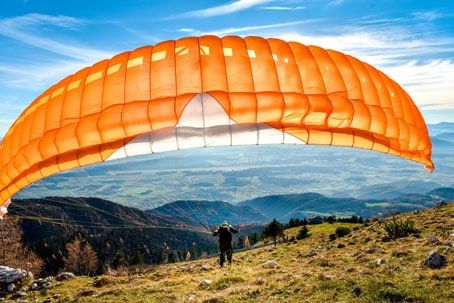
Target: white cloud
{"x": 24, "y": 29}
{"x": 336, "y": 2}
{"x": 243, "y": 29}
{"x": 188, "y": 30}
{"x": 225, "y": 9}
{"x": 283, "y": 8}
{"x": 32, "y": 30}
{"x": 36, "y": 76}
{"x": 35, "y": 19}
{"x": 427, "y": 15}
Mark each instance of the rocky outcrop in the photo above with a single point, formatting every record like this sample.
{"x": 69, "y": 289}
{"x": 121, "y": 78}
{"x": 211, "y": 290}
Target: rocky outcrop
{"x": 13, "y": 278}
{"x": 271, "y": 264}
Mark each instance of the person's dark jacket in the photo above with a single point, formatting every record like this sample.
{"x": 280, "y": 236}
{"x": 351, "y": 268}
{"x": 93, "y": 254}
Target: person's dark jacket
{"x": 225, "y": 233}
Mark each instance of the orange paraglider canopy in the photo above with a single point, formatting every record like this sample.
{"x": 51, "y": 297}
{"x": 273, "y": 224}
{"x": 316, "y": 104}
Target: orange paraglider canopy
{"x": 210, "y": 91}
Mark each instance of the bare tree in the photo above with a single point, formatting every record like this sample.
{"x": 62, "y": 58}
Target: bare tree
{"x": 81, "y": 258}
{"x": 13, "y": 253}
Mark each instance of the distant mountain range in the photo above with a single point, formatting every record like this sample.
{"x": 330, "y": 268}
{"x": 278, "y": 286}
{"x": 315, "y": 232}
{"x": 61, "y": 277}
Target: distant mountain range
{"x": 442, "y": 135}
{"x": 209, "y": 212}
{"x": 307, "y": 205}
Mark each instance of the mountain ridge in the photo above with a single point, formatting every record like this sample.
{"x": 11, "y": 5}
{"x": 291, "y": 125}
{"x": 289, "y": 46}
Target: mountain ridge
{"x": 209, "y": 212}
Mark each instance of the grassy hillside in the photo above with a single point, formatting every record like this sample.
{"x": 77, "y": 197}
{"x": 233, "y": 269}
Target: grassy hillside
{"x": 359, "y": 267}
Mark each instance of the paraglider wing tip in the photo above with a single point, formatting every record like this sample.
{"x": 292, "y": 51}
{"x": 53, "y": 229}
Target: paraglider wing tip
{"x": 430, "y": 168}
{"x": 4, "y": 208}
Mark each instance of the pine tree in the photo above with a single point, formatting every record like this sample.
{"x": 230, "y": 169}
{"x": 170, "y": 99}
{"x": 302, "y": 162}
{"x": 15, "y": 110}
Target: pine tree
{"x": 274, "y": 229}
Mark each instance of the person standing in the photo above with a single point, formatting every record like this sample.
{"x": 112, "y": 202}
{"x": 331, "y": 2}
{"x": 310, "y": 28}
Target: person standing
{"x": 225, "y": 233}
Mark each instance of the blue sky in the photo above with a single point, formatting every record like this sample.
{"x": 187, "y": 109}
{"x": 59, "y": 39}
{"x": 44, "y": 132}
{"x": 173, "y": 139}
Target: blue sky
{"x": 42, "y": 41}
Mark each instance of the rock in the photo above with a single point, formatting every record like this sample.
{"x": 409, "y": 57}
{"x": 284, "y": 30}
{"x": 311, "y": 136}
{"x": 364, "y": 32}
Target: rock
{"x": 21, "y": 301}
{"x": 11, "y": 287}
{"x": 48, "y": 300}
{"x": 379, "y": 262}
{"x": 46, "y": 285}
{"x": 191, "y": 298}
{"x": 64, "y": 276}
{"x": 19, "y": 294}
{"x": 357, "y": 291}
{"x": 34, "y": 286}
{"x": 205, "y": 283}
{"x": 187, "y": 267}
{"x": 86, "y": 293}
{"x": 271, "y": 264}
{"x": 311, "y": 253}
{"x": 17, "y": 276}
{"x": 204, "y": 267}
{"x": 432, "y": 240}
{"x": 56, "y": 296}
{"x": 435, "y": 260}
{"x": 376, "y": 249}
{"x": 47, "y": 279}
{"x": 101, "y": 282}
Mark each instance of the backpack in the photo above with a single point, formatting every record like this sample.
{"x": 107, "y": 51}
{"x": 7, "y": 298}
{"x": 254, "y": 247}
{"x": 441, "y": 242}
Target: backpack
{"x": 224, "y": 232}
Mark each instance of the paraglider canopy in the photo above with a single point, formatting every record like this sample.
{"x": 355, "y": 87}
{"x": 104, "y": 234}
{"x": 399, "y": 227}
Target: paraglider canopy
{"x": 210, "y": 91}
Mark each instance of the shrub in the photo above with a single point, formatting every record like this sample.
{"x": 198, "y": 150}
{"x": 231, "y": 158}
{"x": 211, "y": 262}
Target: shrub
{"x": 352, "y": 219}
{"x": 303, "y": 233}
{"x": 399, "y": 228}
{"x": 342, "y": 231}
